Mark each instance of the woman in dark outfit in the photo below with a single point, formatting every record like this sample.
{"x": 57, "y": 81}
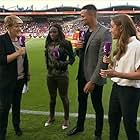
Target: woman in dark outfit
{"x": 13, "y": 74}
{"x": 56, "y": 53}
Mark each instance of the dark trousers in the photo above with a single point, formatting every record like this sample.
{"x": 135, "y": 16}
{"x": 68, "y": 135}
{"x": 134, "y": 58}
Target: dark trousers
{"x": 124, "y": 102}
{"x": 96, "y": 98}
{"x": 16, "y": 103}
{"x": 61, "y": 84}
{"x": 8, "y": 96}
{"x": 5, "y": 104}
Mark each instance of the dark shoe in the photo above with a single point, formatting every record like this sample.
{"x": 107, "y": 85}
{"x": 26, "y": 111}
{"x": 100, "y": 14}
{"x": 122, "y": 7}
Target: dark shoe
{"x": 19, "y": 132}
{"x": 74, "y": 131}
{"x": 97, "y": 138}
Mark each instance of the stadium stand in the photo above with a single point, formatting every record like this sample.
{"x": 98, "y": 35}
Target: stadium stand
{"x": 36, "y": 23}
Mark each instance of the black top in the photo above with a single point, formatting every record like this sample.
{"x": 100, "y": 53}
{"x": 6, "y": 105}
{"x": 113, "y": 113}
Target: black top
{"x": 8, "y": 71}
{"x": 81, "y": 52}
{"x": 58, "y": 56}
{"x": 87, "y": 36}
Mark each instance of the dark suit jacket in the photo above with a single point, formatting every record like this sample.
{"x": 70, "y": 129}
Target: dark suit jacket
{"x": 93, "y": 56}
{"x": 8, "y": 71}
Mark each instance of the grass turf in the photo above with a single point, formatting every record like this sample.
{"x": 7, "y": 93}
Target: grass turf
{"x": 37, "y": 99}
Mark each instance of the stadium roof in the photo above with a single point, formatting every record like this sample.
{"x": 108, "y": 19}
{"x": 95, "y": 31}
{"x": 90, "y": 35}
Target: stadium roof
{"x": 43, "y": 4}
{"x": 62, "y": 9}
{"x": 121, "y": 7}
{"x": 3, "y": 10}
{"x": 68, "y": 10}
{"x": 118, "y": 7}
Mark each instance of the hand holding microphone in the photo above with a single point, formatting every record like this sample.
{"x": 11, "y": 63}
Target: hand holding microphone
{"x": 107, "y": 48}
{"x": 20, "y": 51}
{"x": 81, "y": 39}
{"x": 106, "y": 58}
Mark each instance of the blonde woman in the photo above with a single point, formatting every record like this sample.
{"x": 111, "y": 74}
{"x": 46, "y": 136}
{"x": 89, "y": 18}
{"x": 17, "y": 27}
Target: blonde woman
{"x": 13, "y": 73}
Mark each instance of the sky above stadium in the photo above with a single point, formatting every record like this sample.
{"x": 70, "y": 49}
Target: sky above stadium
{"x": 43, "y": 4}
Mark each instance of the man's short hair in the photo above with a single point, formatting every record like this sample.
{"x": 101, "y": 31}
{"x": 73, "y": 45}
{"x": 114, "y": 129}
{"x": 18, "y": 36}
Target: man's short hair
{"x": 89, "y": 7}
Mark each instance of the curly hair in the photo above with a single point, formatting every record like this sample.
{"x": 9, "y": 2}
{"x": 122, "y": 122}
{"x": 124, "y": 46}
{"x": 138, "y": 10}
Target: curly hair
{"x": 61, "y": 36}
{"x": 127, "y": 29}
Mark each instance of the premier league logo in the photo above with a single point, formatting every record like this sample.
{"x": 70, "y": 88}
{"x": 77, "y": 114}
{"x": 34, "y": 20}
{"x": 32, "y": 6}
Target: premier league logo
{"x": 55, "y": 53}
{"x": 107, "y": 48}
{"x": 22, "y": 40}
{"x": 82, "y": 35}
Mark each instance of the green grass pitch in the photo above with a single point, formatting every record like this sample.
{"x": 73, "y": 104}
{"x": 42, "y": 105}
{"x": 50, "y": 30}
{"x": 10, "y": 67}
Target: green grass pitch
{"x": 38, "y": 100}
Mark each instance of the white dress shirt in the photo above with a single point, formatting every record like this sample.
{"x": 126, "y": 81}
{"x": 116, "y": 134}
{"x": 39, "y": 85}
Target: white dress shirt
{"x": 129, "y": 62}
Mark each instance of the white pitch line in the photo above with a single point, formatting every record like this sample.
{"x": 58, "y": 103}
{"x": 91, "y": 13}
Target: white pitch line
{"x": 61, "y": 114}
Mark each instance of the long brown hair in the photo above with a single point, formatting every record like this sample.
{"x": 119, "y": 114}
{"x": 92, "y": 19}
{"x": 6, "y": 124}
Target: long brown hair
{"x": 127, "y": 29}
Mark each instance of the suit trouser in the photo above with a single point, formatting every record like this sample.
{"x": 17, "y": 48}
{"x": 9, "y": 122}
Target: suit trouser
{"x": 5, "y": 104}
{"x": 96, "y": 98}
{"x": 8, "y": 96}
{"x": 16, "y": 103}
{"x": 124, "y": 102}
{"x": 61, "y": 84}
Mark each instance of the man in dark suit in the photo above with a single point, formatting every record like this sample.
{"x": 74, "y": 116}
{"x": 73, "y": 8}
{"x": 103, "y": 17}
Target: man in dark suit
{"x": 13, "y": 74}
{"x": 89, "y": 80}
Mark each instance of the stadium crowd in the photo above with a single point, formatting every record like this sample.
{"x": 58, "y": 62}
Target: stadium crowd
{"x": 40, "y": 29}
{"x": 31, "y": 29}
